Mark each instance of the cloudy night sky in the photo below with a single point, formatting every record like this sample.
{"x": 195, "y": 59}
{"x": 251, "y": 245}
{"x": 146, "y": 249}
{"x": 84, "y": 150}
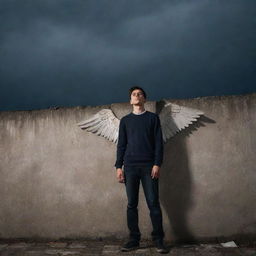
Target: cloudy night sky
{"x": 76, "y": 52}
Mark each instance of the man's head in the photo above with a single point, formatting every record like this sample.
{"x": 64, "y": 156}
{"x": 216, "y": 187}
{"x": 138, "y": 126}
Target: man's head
{"x": 137, "y": 95}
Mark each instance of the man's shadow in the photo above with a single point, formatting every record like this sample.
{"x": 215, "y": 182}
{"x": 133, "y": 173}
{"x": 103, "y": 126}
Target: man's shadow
{"x": 175, "y": 184}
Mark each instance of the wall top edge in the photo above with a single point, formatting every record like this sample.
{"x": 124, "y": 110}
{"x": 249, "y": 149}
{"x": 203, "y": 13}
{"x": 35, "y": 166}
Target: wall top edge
{"x": 176, "y": 100}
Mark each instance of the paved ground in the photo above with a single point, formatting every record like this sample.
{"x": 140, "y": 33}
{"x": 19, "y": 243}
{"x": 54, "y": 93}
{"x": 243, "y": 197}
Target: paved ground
{"x": 111, "y": 248}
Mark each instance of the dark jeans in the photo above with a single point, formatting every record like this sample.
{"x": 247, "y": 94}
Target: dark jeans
{"x": 133, "y": 175}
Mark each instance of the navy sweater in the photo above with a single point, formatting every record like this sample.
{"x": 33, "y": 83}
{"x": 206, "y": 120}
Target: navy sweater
{"x": 140, "y": 140}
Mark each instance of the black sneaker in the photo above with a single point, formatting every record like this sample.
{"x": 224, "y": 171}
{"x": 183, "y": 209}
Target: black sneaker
{"x": 160, "y": 247}
{"x": 130, "y": 245}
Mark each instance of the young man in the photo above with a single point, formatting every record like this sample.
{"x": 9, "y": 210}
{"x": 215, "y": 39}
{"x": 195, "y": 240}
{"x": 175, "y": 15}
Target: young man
{"x": 140, "y": 151}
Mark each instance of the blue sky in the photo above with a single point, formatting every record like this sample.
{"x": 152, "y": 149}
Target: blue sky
{"x": 78, "y": 52}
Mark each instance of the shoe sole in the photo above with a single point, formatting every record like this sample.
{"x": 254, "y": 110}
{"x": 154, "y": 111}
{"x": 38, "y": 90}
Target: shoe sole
{"x": 162, "y": 251}
{"x": 129, "y": 249}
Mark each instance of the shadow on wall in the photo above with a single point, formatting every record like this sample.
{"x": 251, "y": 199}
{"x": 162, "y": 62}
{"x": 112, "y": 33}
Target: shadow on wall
{"x": 175, "y": 190}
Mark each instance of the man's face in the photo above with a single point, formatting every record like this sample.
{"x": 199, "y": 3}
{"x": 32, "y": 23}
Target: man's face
{"x": 137, "y": 97}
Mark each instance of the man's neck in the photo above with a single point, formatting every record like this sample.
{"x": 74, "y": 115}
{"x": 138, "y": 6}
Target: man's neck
{"x": 138, "y": 109}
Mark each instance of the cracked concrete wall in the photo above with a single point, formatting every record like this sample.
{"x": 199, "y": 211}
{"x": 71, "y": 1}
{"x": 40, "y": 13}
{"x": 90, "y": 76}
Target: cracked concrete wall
{"x": 59, "y": 181}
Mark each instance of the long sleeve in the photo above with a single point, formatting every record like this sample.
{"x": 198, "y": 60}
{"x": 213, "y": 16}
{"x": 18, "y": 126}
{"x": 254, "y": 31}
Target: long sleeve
{"x": 159, "y": 148}
{"x": 121, "y": 145}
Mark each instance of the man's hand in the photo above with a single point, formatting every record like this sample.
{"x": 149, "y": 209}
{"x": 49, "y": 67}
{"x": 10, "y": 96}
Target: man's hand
{"x": 155, "y": 172}
{"x": 120, "y": 175}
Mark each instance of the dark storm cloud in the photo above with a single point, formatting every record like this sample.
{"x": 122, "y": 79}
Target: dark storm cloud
{"x": 90, "y": 52}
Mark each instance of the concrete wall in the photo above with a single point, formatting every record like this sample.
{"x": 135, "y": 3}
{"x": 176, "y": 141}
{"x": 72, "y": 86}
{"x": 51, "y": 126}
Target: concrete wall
{"x": 58, "y": 181}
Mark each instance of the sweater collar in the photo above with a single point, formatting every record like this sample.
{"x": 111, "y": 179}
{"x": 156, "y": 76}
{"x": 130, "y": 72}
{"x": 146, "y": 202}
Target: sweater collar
{"x": 139, "y": 113}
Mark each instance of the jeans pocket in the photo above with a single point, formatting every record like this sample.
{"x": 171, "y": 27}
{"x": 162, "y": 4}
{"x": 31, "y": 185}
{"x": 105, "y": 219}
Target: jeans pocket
{"x": 146, "y": 170}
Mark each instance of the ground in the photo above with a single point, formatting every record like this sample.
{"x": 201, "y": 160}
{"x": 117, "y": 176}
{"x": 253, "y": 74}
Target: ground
{"x": 90, "y": 247}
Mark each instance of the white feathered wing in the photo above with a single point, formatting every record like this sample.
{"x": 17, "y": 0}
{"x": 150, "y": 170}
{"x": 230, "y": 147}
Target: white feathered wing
{"x": 104, "y": 123}
{"x": 174, "y": 118}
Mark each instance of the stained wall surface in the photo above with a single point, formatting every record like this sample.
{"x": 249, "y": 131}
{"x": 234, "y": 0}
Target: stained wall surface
{"x": 59, "y": 181}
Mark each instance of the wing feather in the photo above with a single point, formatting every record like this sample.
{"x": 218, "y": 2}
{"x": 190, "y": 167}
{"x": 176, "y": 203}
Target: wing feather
{"x": 174, "y": 118}
{"x": 104, "y": 123}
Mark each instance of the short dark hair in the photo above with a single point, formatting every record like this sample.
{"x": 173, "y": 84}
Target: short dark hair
{"x": 137, "y": 88}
